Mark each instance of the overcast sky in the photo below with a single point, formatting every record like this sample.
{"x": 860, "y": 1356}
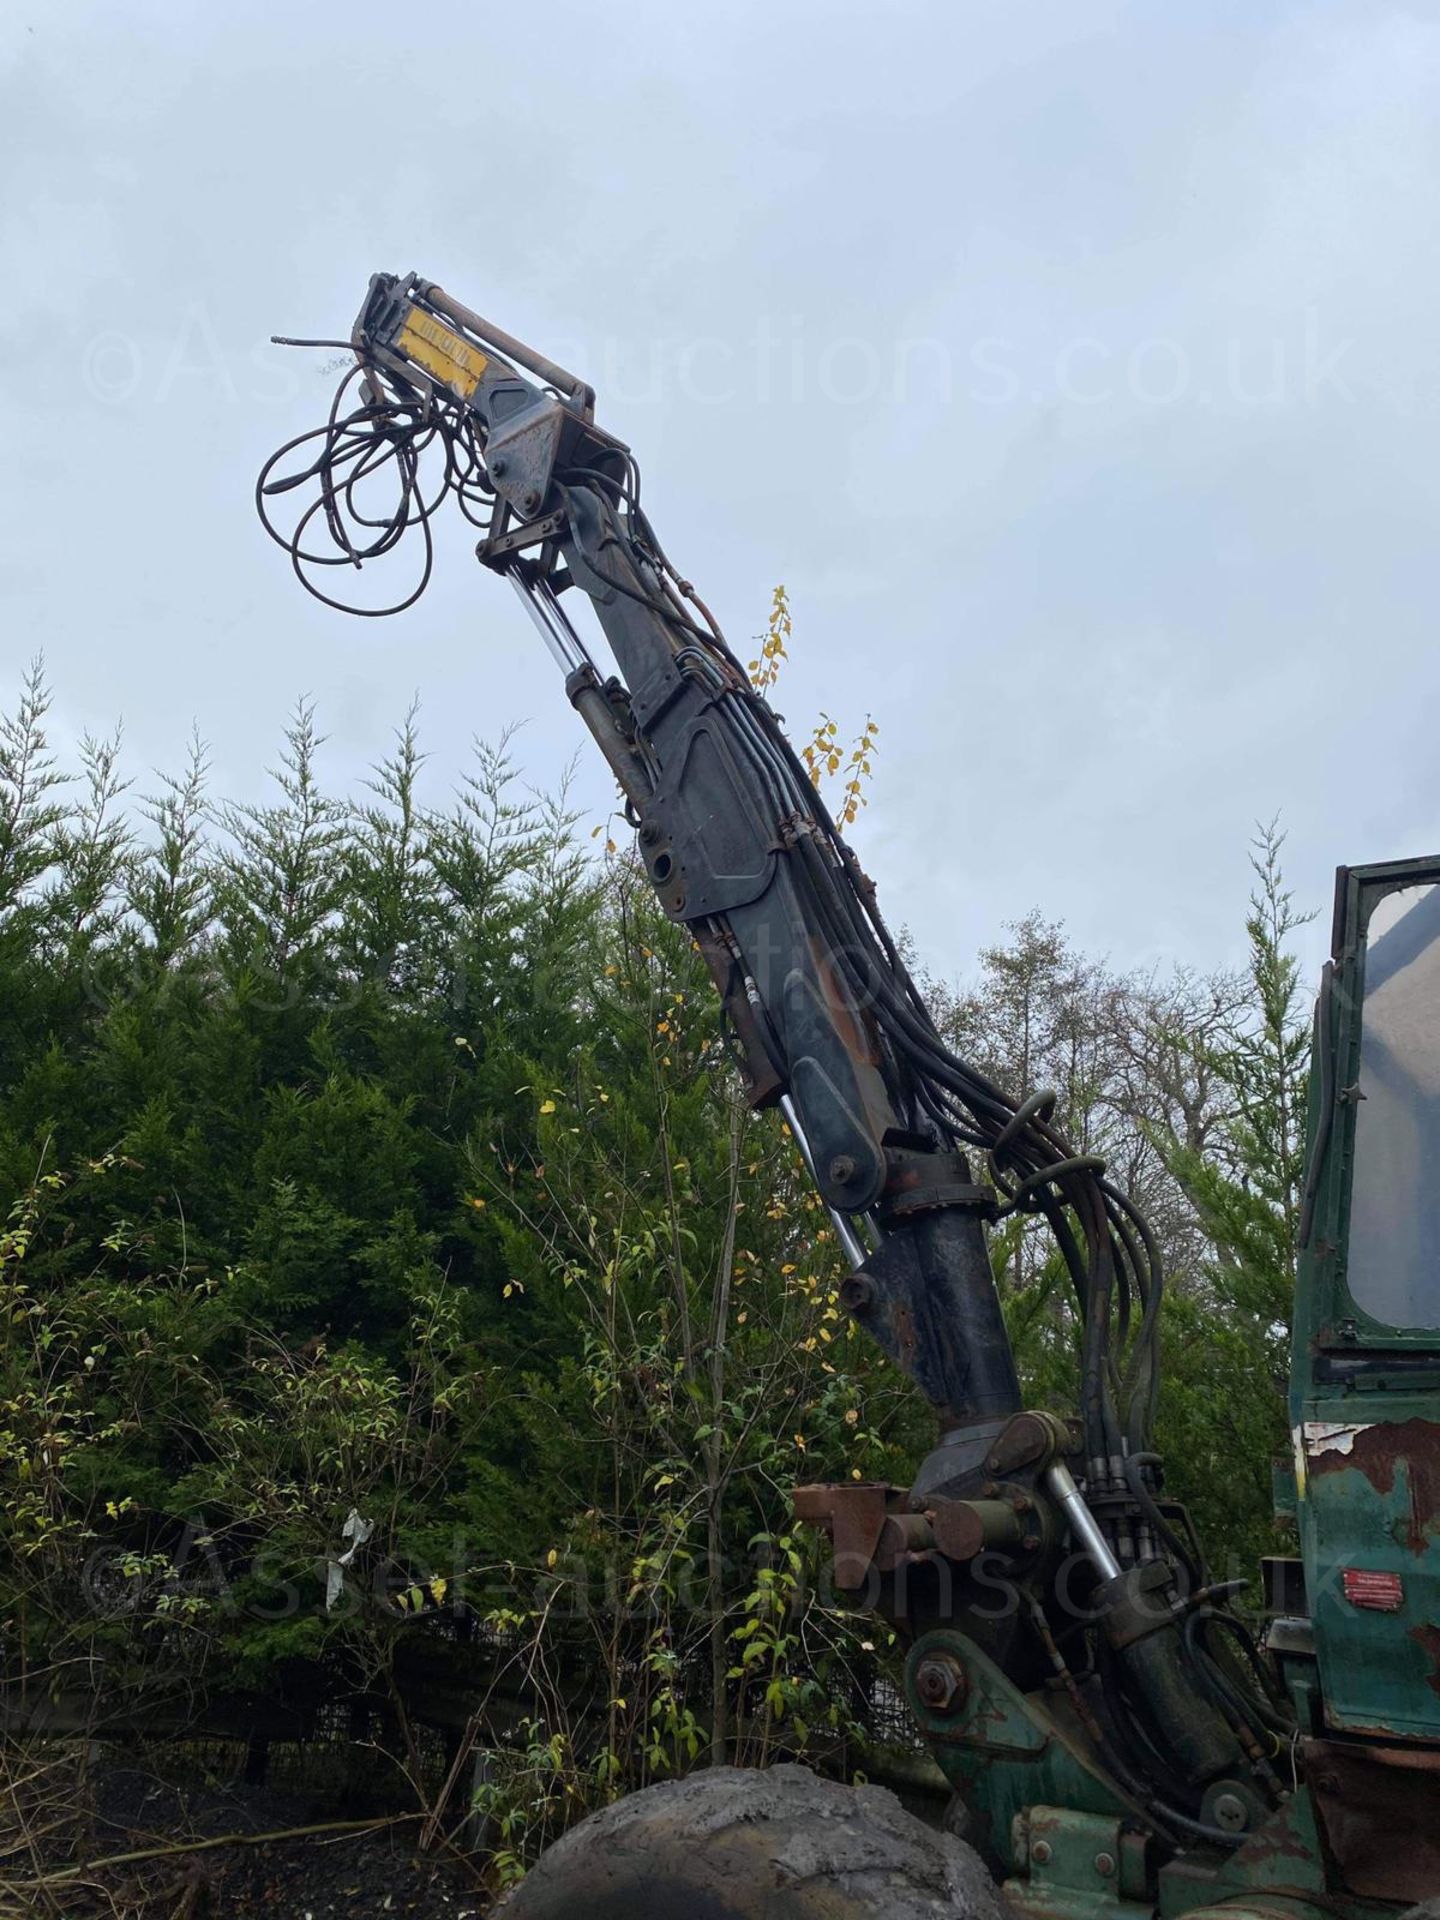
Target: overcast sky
{"x": 1074, "y": 365}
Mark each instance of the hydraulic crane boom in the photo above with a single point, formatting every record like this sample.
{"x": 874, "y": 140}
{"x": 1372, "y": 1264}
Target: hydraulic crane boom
{"x": 1112, "y": 1683}
{"x": 742, "y": 851}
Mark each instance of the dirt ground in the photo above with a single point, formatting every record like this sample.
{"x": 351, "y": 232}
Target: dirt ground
{"x": 335, "y": 1875}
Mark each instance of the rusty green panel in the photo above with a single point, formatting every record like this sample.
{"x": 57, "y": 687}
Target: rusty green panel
{"x": 1370, "y": 1524}
{"x": 1285, "y": 1853}
{"x": 1002, "y": 1750}
{"x": 1078, "y": 1866}
{"x": 1365, "y": 1379}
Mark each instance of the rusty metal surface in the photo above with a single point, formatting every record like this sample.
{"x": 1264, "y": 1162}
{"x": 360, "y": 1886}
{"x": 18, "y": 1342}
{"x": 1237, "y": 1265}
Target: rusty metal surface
{"x": 1370, "y": 1518}
{"x": 1379, "y": 1809}
{"x": 1386, "y": 1452}
{"x": 1428, "y": 1640}
{"x": 854, "y": 1516}
{"x": 964, "y": 1528}
{"x": 1030, "y": 1439}
{"x": 872, "y": 1527}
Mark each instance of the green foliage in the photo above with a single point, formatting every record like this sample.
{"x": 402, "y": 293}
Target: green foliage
{"x": 383, "y": 1159}
{"x": 247, "y": 1052}
{"x": 1228, "y": 1343}
{"x": 1193, "y": 1088}
{"x": 1247, "y": 1187}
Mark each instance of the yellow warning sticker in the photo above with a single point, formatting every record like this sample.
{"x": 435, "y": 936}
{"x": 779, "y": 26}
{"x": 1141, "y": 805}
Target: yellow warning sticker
{"x": 446, "y": 355}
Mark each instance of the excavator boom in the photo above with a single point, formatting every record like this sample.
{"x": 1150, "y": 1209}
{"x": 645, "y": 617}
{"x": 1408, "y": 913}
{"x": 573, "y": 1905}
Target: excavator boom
{"x": 1114, "y": 1712}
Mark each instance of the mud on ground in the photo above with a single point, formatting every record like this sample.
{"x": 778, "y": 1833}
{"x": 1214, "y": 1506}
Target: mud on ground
{"x": 340, "y": 1874}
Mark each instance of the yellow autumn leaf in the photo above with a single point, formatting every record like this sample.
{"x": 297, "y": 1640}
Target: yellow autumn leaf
{"x": 438, "y": 1587}
{"x": 547, "y": 1106}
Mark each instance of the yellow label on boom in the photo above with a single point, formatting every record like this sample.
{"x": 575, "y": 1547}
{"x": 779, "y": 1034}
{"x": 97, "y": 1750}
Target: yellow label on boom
{"x": 451, "y": 359}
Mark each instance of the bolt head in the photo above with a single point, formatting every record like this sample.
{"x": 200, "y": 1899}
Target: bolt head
{"x": 1230, "y": 1813}
{"x": 1105, "y": 1865}
{"x": 940, "y": 1683}
{"x": 1040, "y": 1853}
{"x": 857, "y": 1293}
{"x": 842, "y": 1168}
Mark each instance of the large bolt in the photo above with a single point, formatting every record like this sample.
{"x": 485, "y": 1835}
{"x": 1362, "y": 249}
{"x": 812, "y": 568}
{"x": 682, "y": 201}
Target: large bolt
{"x": 498, "y": 466}
{"x": 842, "y": 1169}
{"x": 531, "y": 499}
{"x": 857, "y": 1293}
{"x": 940, "y": 1683}
{"x": 1105, "y": 1865}
{"x": 1040, "y": 1853}
{"x": 1230, "y": 1812}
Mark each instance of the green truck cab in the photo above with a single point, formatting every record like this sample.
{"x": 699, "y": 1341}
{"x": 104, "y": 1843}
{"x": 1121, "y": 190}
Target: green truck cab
{"x": 1363, "y": 1659}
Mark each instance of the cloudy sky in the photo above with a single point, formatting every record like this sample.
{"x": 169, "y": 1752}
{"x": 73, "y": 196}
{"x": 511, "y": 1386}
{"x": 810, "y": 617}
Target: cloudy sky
{"x": 1073, "y": 364}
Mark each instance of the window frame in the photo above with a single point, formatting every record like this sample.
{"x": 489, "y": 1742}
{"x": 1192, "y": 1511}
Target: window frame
{"x": 1344, "y": 1323}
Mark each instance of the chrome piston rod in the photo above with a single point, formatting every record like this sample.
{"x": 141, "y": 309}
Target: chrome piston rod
{"x": 566, "y": 647}
{"x": 849, "y": 1239}
{"x": 1083, "y": 1524}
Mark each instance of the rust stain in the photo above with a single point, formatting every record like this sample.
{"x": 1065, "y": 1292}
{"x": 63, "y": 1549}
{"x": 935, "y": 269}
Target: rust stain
{"x": 1279, "y": 1844}
{"x": 1368, "y": 1796}
{"x": 903, "y": 1323}
{"x": 1428, "y": 1639}
{"x": 1378, "y": 1452}
{"x": 850, "y": 1024}
{"x": 854, "y": 1517}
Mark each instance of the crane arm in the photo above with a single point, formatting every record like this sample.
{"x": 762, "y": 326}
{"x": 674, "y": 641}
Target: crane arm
{"x": 738, "y": 845}
{"x": 914, "y": 1152}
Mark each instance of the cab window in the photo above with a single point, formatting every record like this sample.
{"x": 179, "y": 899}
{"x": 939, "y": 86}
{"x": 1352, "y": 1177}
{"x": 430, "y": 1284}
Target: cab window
{"x": 1393, "y": 1265}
